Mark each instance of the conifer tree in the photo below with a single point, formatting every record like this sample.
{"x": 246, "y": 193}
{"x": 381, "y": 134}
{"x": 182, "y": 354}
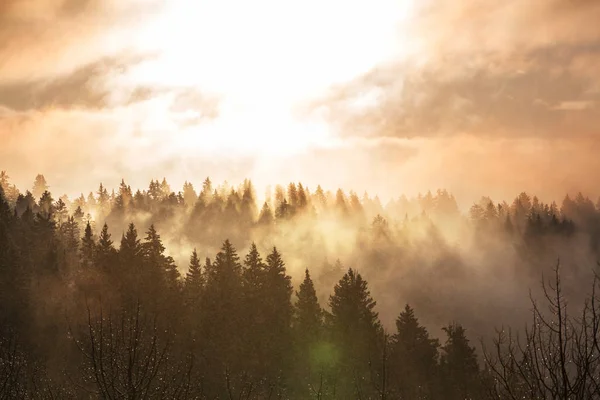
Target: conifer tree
{"x": 103, "y": 201}
{"x": 194, "y": 278}
{"x": 292, "y": 195}
{"x": 278, "y": 311}
{"x": 130, "y": 243}
{"x": 161, "y": 267}
{"x": 207, "y": 191}
{"x": 266, "y": 215}
{"x": 308, "y": 336}
{"x": 128, "y": 276}
{"x": 105, "y": 251}
{"x": 459, "y": 367}
{"x": 413, "y": 358}
{"x": 46, "y": 205}
{"x": 255, "y": 315}
{"x": 356, "y": 332}
{"x": 308, "y": 316}
{"x": 39, "y": 186}
{"x": 60, "y": 212}
{"x": 189, "y": 194}
{"x": 302, "y": 197}
{"x": 88, "y": 246}
{"x": 222, "y": 319}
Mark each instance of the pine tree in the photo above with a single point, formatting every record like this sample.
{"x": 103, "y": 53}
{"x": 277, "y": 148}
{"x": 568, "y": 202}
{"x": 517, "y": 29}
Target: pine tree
{"x": 302, "y": 198}
{"x": 320, "y": 199}
{"x": 255, "y": 312}
{"x": 39, "y": 186}
{"x": 309, "y": 338}
{"x": 308, "y": 316}
{"x": 278, "y": 291}
{"x": 130, "y": 244}
{"x": 124, "y": 199}
{"x": 340, "y": 202}
{"x": 253, "y": 273}
{"x": 292, "y": 195}
{"x": 222, "y": 317}
{"x": 161, "y": 267}
{"x": 206, "y": 193}
{"x": 194, "y": 278}
{"x": 70, "y": 234}
{"x": 46, "y": 205}
{"x": 413, "y": 358}
{"x": 103, "y": 202}
{"x": 247, "y": 205}
{"x": 165, "y": 189}
{"x": 105, "y": 251}
{"x": 189, "y": 194}
{"x": 60, "y": 212}
{"x": 459, "y": 367}
{"x": 78, "y": 215}
{"x": 13, "y": 286}
{"x": 283, "y": 211}
{"x": 88, "y": 246}
{"x": 266, "y": 216}
{"x": 356, "y": 332}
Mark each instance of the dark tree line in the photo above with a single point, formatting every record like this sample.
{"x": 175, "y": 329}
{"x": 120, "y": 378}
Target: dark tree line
{"x": 85, "y": 317}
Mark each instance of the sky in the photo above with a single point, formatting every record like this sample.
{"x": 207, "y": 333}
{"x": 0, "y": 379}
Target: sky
{"x": 389, "y": 96}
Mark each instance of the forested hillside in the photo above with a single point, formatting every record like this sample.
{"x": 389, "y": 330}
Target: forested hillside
{"x": 211, "y": 293}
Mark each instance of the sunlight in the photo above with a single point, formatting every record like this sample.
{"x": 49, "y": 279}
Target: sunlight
{"x": 264, "y": 57}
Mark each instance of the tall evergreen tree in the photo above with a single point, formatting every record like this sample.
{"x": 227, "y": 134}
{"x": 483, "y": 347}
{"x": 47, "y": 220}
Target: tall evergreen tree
{"x": 88, "y": 247}
{"x": 46, "y": 204}
{"x": 39, "y": 186}
{"x": 130, "y": 243}
{"x": 222, "y": 318}
{"x": 266, "y": 215}
{"x": 357, "y": 332}
{"x": 194, "y": 278}
{"x": 105, "y": 251}
{"x": 308, "y": 316}
{"x": 161, "y": 267}
{"x": 459, "y": 367}
{"x": 279, "y": 311}
{"x": 413, "y": 358}
{"x": 308, "y": 336}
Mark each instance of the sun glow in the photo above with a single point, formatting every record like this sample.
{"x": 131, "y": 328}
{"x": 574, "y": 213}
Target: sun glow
{"x": 263, "y": 58}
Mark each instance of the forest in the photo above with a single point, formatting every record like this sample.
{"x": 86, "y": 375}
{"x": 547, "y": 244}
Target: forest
{"x": 219, "y": 292}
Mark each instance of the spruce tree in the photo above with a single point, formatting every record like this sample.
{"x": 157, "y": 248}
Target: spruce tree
{"x": 308, "y": 316}
{"x": 277, "y": 292}
{"x": 39, "y": 186}
{"x": 255, "y": 315}
{"x": 88, "y": 247}
{"x": 356, "y": 332}
{"x": 459, "y": 367}
{"x": 160, "y": 266}
{"x": 266, "y": 215}
{"x": 105, "y": 256}
{"x": 308, "y": 335}
{"x": 194, "y": 278}
{"x": 413, "y": 358}
{"x": 130, "y": 243}
{"x": 222, "y": 317}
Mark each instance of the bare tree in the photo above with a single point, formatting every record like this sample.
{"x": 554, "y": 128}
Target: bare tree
{"x": 12, "y": 367}
{"x": 559, "y": 356}
{"x": 126, "y": 356}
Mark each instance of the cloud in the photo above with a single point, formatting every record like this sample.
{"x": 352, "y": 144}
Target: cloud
{"x": 45, "y": 38}
{"x": 498, "y": 70}
{"x": 87, "y": 87}
{"x": 574, "y": 105}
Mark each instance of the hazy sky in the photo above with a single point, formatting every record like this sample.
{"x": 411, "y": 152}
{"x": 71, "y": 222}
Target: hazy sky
{"x": 480, "y": 97}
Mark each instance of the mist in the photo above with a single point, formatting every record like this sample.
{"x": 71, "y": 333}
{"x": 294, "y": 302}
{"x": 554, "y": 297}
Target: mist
{"x": 325, "y": 200}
